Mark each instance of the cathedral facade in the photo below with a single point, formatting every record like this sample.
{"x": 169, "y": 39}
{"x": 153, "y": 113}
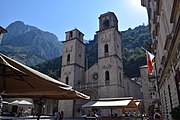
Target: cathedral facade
{"x": 104, "y": 79}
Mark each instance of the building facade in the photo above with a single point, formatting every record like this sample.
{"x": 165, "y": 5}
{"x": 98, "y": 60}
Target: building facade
{"x": 164, "y": 24}
{"x": 150, "y": 92}
{"x": 104, "y": 79}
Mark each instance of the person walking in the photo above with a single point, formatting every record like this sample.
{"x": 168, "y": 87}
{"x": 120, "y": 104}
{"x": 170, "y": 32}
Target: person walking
{"x": 56, "y": 115}
{"x": 61, "y": 115}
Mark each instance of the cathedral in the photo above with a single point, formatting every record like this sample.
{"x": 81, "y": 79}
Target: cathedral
{"x": 105, "y": 79}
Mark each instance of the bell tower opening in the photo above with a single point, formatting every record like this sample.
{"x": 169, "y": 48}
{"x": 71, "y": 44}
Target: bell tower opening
{"x": 74, "y": 34}
{"x": 108, "y": 20}
{"x": 106, "y": 23}
{"x": 71, "y": 35}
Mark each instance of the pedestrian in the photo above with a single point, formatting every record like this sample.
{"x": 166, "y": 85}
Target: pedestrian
{"x": 62, "y": 115}
{"x": 59, "y": 116}
{"x": 157, "y": 115}
{"x": 56, "y": 115}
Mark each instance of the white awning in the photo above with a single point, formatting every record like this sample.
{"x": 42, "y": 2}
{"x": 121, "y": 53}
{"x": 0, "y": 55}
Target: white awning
{"x": 110, "y": 104}
{"x": 16, "y": 102}
{"x": 5, "y": 102}
{"x": 24, "y": 102}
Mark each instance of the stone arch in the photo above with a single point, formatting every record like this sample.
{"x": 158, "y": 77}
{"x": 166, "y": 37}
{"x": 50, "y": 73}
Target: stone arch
{"x": 67, "y": 80}
{"x": 68, "y": 58}
{"x": 107, "y": 75}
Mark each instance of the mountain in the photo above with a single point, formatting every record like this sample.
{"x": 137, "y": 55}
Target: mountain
{"x": 133, "y": 55}
{"x": 29, "y": 45}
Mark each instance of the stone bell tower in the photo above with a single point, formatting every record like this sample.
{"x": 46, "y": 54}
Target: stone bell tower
{"x": 73, "y": 67}
{"x": 110, "y": 65}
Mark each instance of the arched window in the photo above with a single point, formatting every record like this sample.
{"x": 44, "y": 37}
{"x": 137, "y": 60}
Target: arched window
{"x": 120, "y": 78}
{"x": 106, "y": 48}
{"x": 68, "y": 58}
{"x": 107, "y": 76}
{"x": 79, "y": 35}
{"x": 67, "y": 80}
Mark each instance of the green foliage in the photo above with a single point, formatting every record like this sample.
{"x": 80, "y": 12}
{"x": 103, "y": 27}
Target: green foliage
{"x": 133, "y": 55}
{"x": 51, "y": 68}
{"x": 91, "y": 52}
{"x": 176, "y": 113}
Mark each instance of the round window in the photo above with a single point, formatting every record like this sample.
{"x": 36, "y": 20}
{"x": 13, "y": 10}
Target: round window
{"x": 95, "y": 76}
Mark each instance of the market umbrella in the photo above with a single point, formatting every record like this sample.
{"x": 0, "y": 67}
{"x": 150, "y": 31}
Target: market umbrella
{"x": 18, "y": 80}
{"x": 61, "y": 94}
{"x": 21, "y": 81}
{"x": 2, "y": 30}
{"x": 16, "y": 77}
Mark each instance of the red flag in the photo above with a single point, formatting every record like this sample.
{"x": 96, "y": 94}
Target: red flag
{"x": 150, "y": 62}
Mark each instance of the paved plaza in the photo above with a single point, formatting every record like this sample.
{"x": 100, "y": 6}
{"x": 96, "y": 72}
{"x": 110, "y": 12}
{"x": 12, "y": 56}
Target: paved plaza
{"x": 52, "y": 118}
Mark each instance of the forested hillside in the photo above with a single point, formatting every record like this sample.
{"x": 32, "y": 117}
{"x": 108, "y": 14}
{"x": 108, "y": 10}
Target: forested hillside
{"x": 133, "y": 55}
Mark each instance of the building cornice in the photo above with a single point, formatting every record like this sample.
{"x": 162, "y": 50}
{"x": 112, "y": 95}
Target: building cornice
{"x": 74, "y": 39}
{"x": 158, "y": 6}
{"x": 109, "y": 29}
{"x": 110, "y": 56}
{"x": 172, "y": 49}
{"x": 73, "y": 64}
{"x": 175, "y": 11}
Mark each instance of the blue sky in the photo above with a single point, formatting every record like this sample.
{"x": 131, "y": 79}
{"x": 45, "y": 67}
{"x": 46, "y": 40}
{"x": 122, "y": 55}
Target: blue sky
{"x": 59, "y": 16}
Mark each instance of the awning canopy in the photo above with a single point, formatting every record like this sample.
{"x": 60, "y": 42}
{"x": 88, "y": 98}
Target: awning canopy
{"x": 16, "y": 102}
{"x": 111, "y": 103}
{"x": 24, "y": 102}
{"x": 21, "y": 103}
{"x": 5, "y": 102}
{"x": 19, "y": 80}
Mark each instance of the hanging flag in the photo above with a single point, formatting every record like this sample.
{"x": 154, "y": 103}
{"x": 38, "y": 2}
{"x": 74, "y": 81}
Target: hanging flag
{"x": 150, "y": 61}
